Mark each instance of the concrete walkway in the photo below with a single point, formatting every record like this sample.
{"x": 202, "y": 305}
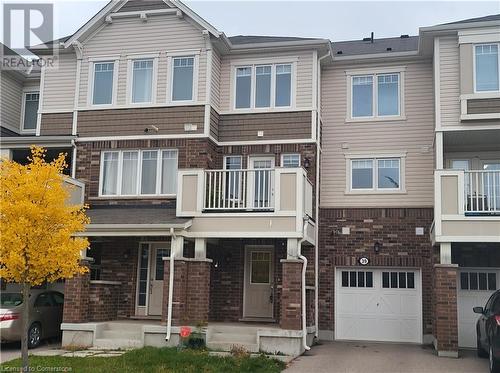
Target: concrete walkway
{"x": 350, "y": 357}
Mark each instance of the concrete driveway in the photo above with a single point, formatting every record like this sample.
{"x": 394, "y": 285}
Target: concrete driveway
{"x": 350, "y": 357}
{"x": 10, "y": 351}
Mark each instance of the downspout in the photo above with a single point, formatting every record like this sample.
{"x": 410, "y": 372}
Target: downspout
{"x": 316, "y": 227}
{"x": 73, "y": 160}
{"x": 304, "y": 267}
{"x": 170, "y": 288}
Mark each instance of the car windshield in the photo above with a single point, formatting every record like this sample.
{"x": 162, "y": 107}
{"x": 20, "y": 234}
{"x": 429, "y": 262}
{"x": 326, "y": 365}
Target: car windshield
{"x": 10, "y": 299}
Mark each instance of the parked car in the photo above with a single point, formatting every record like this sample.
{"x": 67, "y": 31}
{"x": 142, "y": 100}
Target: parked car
{"x": 46, "y": 309}
{"x": 488, "y": 331}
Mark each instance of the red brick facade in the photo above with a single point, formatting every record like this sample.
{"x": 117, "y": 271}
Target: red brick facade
{"x": 291, "y": 295}
{"x": 445, "y": 307}
{"x": 190, "y": 299}
{"x": 394, "y": 229}
{"x": 103, "y": 301}
{"x": 76, "y": 299}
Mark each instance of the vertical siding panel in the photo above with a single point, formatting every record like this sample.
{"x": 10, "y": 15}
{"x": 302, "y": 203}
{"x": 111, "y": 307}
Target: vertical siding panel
{"x": 449, "y": 67}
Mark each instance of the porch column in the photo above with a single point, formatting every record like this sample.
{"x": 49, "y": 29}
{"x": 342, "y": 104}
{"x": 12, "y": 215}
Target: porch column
{"x": 76, "y": 298}
{"x": 291, "y": 291}
{"x": 445, "y": 303}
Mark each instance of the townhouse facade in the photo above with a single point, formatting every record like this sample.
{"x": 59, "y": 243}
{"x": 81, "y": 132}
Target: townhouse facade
{"x": 274, "y": 190}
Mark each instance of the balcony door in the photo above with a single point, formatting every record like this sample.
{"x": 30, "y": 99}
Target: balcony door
{"x": 492, "y": 184}
{"x": 261, "y": 182}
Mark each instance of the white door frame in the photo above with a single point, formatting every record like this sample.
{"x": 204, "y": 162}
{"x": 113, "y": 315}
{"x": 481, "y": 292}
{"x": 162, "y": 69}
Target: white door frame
{"x": 337, "y": 269}
{"x": 251, "y": 178}
{"x": 143, "y": 310}
{"x": 246, "y": 274}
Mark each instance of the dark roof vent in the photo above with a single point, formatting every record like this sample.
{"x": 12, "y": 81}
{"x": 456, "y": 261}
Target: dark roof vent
{"x": 388, "y": 49}
{"x": 370, "y": 39}
{"x": 367, "y": 39}
{"x": 339, "y": 52}
{"x": 404, "y": 36}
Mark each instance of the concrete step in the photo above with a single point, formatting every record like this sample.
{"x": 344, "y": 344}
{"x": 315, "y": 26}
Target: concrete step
{"x": 233, "y": 329}
{"x": 117, "y": 343}
{"x": 129, "y": 327}
{"x": 120, "y": 334}
{"x": 234, "y": 337}
{"x": 228, "y": 345}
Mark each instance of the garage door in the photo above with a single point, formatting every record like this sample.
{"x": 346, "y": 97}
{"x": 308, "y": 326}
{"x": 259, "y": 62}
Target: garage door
{"x": 474, "y": 288}
{"x": 378, "y": 305}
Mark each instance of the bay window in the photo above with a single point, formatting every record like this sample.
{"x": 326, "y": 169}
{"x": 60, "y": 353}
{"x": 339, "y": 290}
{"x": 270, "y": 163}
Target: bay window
{"x": 139, "y": 172}
{"x": 486, "y": 68}
{"x": 263, "y": 86}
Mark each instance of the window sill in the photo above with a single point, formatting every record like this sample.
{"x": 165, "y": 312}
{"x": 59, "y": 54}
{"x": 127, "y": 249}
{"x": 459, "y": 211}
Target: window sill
{"x": 376, "y": 119}
{"x": 375, "y": 192}
{"x": 264, "y": 110}
{"x": 164, "y": 196}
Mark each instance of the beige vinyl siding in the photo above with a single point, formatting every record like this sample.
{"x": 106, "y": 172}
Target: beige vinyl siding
{"x": 449, "y": 75}
{"x": 215, "y": 84}
{"x": 59, "y": 84}
{"x": 11, "y": 102}
{"x": 413, "y": 136}
{"x": 31, "y": 85}
{"x": 124, "y": 37}
{"x": 303, "y": 83}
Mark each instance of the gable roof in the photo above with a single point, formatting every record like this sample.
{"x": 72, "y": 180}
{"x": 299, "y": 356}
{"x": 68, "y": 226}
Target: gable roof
{"x": 255, "y": 39}
{"x": 383, "y": 45}
{"x": 492, "y": 17}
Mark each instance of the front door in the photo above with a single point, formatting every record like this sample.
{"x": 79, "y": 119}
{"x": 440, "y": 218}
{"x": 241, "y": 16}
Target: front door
{"x": 261, "y": 182}
{"x": 158, "y": 251}
{"x": 259, "y": 281}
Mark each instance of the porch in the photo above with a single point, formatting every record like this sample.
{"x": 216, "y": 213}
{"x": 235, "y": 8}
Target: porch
{"x": 244, "y": 292}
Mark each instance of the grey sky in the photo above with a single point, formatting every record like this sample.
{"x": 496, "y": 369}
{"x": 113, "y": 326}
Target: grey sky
{"x": 336, "y": 20}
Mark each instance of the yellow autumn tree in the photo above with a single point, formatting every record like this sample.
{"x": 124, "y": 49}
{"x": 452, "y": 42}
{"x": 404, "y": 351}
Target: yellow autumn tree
{"x": 37, "y": 227}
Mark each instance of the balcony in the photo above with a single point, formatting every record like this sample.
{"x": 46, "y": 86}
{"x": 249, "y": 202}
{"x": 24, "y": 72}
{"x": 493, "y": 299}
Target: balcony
{"x": 467, "y": 206}
{"x": 268, "y": 202}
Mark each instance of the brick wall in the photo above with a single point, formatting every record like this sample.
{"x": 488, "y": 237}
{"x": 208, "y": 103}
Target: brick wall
{"x": 394, "y": 228}
{"x": 103, "y": 301}
{"x": 445, "y": 328}
{"x": 76, "y": 299}
{"x": 291, "y": 296}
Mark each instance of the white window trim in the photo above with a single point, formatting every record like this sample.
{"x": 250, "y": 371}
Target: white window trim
{"x": 284, "y": 154}
{"x": 130, "y": 77}
{"x": 375, "y": 73}
{"x": 474, "y": 68}
{"x": 139, "y": 173}
{"x": 170, "y": 71}
{"x": 232, "y": 156}
{"x": 262, "y": 62}
{"x": 349, "y": 157}
{"x": 90, "y": 92}
{"x": 23, "y": 107}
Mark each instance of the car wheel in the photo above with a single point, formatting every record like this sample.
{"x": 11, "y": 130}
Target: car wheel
{"x": 494, "y": 363}
{"x": 480, "y": 350}
{"x": 34, "y": 335}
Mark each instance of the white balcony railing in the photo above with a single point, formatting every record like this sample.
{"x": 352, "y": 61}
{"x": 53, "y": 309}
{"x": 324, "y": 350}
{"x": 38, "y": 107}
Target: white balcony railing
{"x": 482, "y": 192}
{"x": 251, "y": 189}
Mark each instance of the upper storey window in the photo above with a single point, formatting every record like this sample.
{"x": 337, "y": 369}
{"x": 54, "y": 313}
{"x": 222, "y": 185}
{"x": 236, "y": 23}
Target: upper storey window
{"x": 375, "y": 95}
{"x": 30, "y": 111}
{"x": 183, "y": 78}
{"x": 263, "y": 86}
{"x": 102, "y": 93}
{"x": 142, "y": 81}
{"x": 486, "y": 68}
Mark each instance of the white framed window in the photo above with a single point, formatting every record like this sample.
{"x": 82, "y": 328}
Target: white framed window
{"x": 29, "y": 111}
{"x": 486, "y": 67}
{"x": 290, "y": 160}
{"x": 263, "y": 86}
{"x": 103, "y": 82}
{"x": 142, "y": 72}
{"x": 375, "y": 174}
{"x": 183, "y": 79}
{"x": 148, "y": 172}
{"x": 233, "y": 162}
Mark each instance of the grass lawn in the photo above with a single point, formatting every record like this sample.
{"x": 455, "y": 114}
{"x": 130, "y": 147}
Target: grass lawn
{"x": 150, "y": 359}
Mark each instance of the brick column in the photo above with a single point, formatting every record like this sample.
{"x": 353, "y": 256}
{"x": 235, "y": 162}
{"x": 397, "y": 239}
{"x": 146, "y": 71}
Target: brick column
{"x": 445, "y": 313}
{"x": 191, "y": 296}
{"x": 76, "y": 299}
{"x": 291, "y": 294}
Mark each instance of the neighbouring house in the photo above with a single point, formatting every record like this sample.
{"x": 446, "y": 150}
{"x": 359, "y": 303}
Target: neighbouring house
{"x": 272, "y": 189}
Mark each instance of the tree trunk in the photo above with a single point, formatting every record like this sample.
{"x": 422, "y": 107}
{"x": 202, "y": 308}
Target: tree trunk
{"x": 25, "y": 319}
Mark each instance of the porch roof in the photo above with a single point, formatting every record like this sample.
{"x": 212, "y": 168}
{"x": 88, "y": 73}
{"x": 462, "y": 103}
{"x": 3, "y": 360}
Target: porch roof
{"x": 134, "y": 220}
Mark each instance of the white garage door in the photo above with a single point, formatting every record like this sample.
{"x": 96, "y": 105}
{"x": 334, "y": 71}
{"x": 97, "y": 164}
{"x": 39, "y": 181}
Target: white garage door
{"x": 475, "y": 286}
{"x": 378, "y": 305}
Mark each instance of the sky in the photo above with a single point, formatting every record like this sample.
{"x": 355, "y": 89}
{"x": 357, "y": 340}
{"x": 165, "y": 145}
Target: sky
{"x": 335, "y": 20}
